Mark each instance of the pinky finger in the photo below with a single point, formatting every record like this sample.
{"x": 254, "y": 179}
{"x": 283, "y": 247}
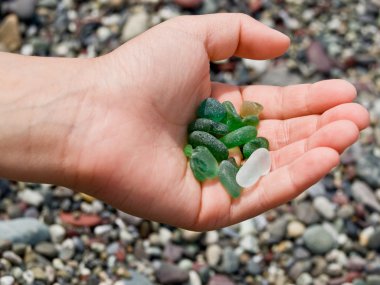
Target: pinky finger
{"x": 284, "y": 184}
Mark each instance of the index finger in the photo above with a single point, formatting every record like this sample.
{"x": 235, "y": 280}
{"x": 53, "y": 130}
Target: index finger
{"x": 299, "y": 100}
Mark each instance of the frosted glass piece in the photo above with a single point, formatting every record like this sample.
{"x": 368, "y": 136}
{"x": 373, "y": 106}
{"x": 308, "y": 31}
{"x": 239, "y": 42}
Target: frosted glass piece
{"x": 257, "y": 165}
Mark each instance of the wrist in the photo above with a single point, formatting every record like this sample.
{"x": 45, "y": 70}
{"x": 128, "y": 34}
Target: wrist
{"x": 40, "y": 102}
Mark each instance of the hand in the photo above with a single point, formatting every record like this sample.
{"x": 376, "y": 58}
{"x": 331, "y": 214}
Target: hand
{"x": 156, "y": 81}
{"x": 123, "y": 138}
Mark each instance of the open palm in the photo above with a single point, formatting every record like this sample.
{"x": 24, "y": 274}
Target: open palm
{"x": 131, "y": 152}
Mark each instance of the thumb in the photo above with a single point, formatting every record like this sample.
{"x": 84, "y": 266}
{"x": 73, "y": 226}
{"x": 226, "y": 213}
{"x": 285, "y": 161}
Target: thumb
{"x": 228, "y": 34}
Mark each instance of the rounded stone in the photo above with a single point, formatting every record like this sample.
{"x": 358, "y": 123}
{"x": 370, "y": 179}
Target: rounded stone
{"x": 57, "y": 233}
{"x": 295, "y": 229}
{"x": 213, "y": 254}
{"x": 318, "y": 240}
{"x": 189, "y": 3}
{"x": 7, "y": 280}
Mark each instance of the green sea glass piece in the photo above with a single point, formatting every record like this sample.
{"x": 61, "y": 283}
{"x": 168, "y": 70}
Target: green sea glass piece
{"x": 216, "y": 147}
{"x": 227, "y": 176}
{"x": 239, "y": 137}
{"x": 251, "y": 120}
{"x": 232, "y": 119}
{"x": 211, "y": 109}
{"x": 203, "y": 164}
{"x": 253, "y": 145}
{"x": 249, "y": 108}
{"x": 208, "y": 126}
{"x": 188, "y": 150}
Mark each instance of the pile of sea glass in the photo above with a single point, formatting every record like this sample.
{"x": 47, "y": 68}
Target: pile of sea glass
{"x": 217, "y": 133}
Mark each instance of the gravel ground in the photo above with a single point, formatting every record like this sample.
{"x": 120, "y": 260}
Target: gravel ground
{"x": 328, "y": 235}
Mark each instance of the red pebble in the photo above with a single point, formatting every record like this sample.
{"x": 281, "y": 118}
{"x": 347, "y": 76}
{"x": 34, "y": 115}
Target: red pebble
{"x": 189, "y": 3}
{"x": 120, "y": 254}
{"x": 80, "y": 219}
{"x": 351, "y": 276}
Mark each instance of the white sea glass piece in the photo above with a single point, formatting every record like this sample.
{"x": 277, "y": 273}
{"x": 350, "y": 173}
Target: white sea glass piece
{"x": 257, "y": 165}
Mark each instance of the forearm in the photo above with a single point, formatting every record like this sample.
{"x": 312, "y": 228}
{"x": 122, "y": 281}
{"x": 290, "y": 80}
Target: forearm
{"x": 39, "y": 104}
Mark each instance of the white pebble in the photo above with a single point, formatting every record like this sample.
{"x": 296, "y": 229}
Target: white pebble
{"x": 57, "y": 233}
{"x": 7, "y": 280}
{"x": 257, "y": 165}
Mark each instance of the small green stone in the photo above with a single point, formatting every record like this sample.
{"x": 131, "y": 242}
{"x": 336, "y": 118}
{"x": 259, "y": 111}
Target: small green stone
{"x": 211, "y": 109}
{"x": 216, "y": 147}
{"x": 227, "y": 176}
{"x": 249, "y": 108}
{"x": 232, "y": 120}
{"x": 251, "y": 120}
{"x": 188, "y": 150}
{"x": 253, "y": 145}
{"x": 208, "y": 126}
{"x": 239, "y": 137}
{"x": 203, "y": 164}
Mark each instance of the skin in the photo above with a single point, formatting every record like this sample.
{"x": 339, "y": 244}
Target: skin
{"x": 114, "y": 127}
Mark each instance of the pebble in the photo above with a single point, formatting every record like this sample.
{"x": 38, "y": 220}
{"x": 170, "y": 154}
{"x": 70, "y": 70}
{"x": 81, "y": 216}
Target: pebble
{"x": 190, "y": 236}
{"x": 12, "y": 257}
{"x": 14, "y": 211}
{"x": 304, "y": 279}
{"x": 365, "y": 235}
{"x": 318, "y": 240}
{"x": 318, "y": 189}
{"x": 277, "y": 229}
{"x": 165, "y": 236}
{"x": 46, "y": 249}
{"x": 23, "y": 9}
{"x": 324, "y": 207}
{"x": 31, "y": 212}
{"x": 185, "y": 264}
{"x": 259, "y": 66}
{"x": 368, "y": 169}
{"x": 188, "y": 3}
{"x": 220, "y": 280}
{"x": 134, "y": 278}
{"x": 80, "y": 219}
{"x": 7, "y": 280}
{"x": 363, "y": 194}
{"x": 373, "y": 279}
{"x": 211, "y": 237}
{"x": 31, "y": 197}
{"x": 136, "y": 24}
{"x": 24, "y": 230}
{"x": 374, "y": 240}
{"x": 194, "y": 278}
{"x": 334, "y": 270}
{"x": 250, "y": 244}
{"x": 5, "y": 245}
{"x": 317, "y": 56}
{"x": 172, "y": 252}
{"x": 306, "y": 213}
{"x": 213, "y": 254}
{"x": 298, "y": 268}
{"x": 102, "y": 229}
{"x": 230, "y": 261}
{"x": 345, "y": 211}
{"x": 295, "y": 229}
{"x": 255, "y": 265}
{"x": 169, "y": 274}
{"x": 57, "y": 233}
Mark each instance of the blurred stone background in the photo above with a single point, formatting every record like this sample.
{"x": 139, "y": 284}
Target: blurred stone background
{"x": 328, "y": 235}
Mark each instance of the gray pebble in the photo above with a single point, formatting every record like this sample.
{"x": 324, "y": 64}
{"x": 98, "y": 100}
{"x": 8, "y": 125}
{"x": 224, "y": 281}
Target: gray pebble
{"x": 318, "y": 240}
